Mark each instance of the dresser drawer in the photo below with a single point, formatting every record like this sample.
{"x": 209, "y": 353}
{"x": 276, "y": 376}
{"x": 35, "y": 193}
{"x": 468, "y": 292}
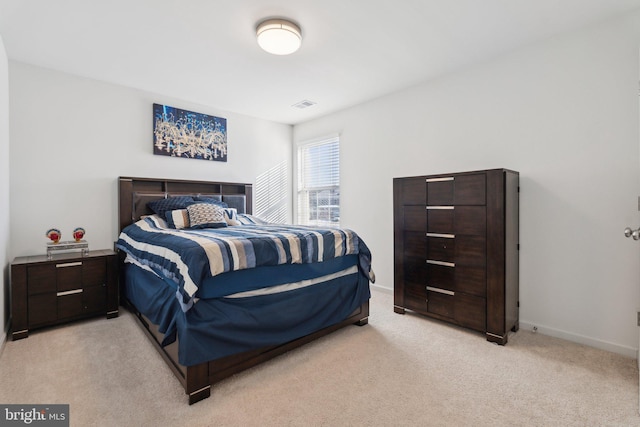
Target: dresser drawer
{"x": 466, "y": 310}
{"x": 441, "y": 303}
{"x": 457, "y": 220}
{"x": 415, "y": 270}
{"x": 470, "y": 220}
{"x": 470, "y": 312}
{"x": 471, "y": 250}
{"x": 440, "y": 219}
{"x": 461, "y": 249}
{"x": 415, "y": 244}
{"x": 441, "y": 248}
{"x": 412, "y": 191}
{"x": 470, "y": 280}
{"x": 458, "y": 190}
{"x": 415, "y": 218}
{"x": 440, "y": 276}
{"x": 415, "y": 297}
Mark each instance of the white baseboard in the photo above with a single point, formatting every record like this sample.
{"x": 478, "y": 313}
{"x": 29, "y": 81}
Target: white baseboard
{"x": 557, "y": 333}
{"x": 581, "y": 339}
{"x": 382, "y": 289}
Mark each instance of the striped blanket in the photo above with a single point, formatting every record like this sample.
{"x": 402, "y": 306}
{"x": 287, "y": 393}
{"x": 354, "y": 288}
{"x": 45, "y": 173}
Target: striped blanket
{"x": 188, "y": 256}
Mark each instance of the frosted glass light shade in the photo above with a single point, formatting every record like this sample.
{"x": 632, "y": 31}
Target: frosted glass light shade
{"x": 278, "y": 36}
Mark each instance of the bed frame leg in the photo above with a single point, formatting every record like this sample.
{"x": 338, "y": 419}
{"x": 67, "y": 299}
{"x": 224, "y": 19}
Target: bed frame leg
{"x": 199, "y": 395}
{"x": 197, "y": 384}
{"x": 362, "y": 322}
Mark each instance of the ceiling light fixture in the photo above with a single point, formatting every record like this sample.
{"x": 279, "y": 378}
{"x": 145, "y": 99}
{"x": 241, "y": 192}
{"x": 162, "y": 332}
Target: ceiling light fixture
{"x": 279, "y": 36}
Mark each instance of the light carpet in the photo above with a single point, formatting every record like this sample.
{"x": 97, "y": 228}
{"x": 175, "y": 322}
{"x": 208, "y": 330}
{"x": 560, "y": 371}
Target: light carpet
{"x": 397, "y": 370}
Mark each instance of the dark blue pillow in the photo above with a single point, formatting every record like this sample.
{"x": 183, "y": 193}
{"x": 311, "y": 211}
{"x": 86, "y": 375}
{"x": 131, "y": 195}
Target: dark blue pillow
{"x": 211, "y": 200}
{"x": 161, "y": 206}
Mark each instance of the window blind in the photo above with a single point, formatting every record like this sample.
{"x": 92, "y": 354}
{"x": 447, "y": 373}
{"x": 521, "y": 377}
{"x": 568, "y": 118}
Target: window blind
{"x": 319, "y": 182}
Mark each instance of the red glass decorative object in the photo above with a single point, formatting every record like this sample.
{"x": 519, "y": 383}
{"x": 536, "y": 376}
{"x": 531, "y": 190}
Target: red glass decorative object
{"x": 54, "y": 234}
{"x": 78, "y": 234}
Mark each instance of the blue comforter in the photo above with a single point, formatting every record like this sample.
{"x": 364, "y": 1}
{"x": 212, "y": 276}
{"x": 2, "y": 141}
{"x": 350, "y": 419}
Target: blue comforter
{"x": 187, "y": 257}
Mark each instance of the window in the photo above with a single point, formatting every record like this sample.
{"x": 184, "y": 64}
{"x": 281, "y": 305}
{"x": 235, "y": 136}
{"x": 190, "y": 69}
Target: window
{"x": 319, "y": 182}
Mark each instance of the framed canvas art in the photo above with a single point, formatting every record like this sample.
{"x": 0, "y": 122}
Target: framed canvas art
{"x": 182, "y": 133}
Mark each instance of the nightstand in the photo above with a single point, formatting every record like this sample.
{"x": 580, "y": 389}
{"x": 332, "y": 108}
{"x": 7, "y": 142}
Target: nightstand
{"x": 46, "y": 292}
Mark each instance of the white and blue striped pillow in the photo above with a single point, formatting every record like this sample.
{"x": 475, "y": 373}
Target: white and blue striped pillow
{"x": 178, "y": 219}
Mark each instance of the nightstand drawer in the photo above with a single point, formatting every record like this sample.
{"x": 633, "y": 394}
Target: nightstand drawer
{"x": 69, "y": 303}
{"x": 42, "y": 309}
{"x": 68, "y": 275}
{"x": 41, "y": 278}
{"x": 94, "y": 272}
{"x": 94, "y": 299}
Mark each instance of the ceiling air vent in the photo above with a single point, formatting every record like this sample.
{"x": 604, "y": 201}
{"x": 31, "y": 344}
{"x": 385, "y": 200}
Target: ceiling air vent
{"x": 304, "y": 104}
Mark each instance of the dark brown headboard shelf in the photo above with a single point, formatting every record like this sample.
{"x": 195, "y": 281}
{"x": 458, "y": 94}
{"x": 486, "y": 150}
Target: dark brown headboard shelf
{"x": 135, "y": 193}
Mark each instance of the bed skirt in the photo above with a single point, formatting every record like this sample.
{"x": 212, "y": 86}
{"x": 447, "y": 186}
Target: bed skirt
{"x": 218, "y": 327}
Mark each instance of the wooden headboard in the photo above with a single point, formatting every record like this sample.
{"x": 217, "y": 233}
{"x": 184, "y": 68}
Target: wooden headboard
{"x": 135, "y": 193}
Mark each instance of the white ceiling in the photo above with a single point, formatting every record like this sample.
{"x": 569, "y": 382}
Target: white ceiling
{"x": 204, "y": 51}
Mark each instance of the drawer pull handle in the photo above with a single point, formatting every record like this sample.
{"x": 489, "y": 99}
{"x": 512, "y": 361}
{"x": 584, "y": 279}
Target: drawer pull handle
{"x": 444, "y": 236}
{"x": 446, "y": 264}
{"x": 449, "y": 178}
{"x": 69, "y": 264}
{"x": 440, "y": 291}
{"x": 75, "y": 291}
{"x": 441, "y": 208}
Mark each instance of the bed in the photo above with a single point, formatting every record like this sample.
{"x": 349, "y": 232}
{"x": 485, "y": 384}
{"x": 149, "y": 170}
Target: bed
{"x": 217, "y": 296}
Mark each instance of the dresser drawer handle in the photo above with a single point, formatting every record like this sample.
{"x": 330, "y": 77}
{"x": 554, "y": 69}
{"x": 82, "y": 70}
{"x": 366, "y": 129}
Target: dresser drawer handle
{"x": 446, "y": 264}
{"x": 69, "y": 264}
{"x": 441, "y": 208}
{"x": 444, "y": 236}
{"x": 75, "y": 291}
{"x": 440, "y": 291}
{"x": 448, "y": 178}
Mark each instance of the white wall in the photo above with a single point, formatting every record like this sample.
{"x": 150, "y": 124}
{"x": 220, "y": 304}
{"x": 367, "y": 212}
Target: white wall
{"x": 72, "y": 137}
{"x": 564, "y": 113}
{"x": 4, "y": 192}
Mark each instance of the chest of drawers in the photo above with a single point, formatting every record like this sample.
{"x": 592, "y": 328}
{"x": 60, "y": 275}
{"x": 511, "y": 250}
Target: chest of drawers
{"x": 48, "y": 292}
{"x": 456, "y": 249}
